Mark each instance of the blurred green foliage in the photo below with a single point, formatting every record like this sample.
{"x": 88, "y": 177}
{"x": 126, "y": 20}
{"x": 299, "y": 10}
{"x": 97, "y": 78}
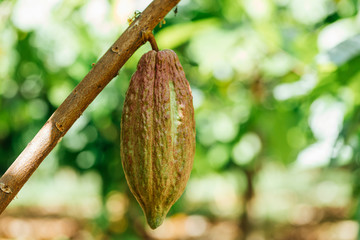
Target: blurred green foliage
{"x": 276, "y": 94}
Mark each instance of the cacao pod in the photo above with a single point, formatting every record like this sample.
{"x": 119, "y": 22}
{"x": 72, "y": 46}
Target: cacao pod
{"x": 158, "y": 134}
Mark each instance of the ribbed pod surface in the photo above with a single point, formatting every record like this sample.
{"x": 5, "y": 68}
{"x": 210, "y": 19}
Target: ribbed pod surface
{"x": 158, "y": 133}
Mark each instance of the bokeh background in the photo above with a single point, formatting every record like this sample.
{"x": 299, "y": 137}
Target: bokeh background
{"x": 276, "y": 89}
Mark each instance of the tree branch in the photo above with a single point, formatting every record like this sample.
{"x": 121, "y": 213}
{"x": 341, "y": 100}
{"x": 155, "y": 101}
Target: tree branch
{"x": 79, "y": 99}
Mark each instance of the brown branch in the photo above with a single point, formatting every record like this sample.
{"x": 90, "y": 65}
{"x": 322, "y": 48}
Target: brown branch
{"x": 78, "y": 100}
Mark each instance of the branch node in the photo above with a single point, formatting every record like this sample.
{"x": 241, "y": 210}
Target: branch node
{"x": 5, "y": 188}
{"x": 115, "y": 49}
{"x": 59, "y": 126}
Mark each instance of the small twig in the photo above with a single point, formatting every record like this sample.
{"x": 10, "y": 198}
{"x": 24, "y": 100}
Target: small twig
{"x": 79, "y": 99}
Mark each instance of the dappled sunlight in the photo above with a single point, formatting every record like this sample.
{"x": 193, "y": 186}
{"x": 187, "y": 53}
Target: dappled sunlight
{"x": 117, "y": 205}
{"x": 195, "y": 226}
{"x": 336, "y": 33}
{"x": 216, "y": 191}
{"x": 275, "y": 88}
{"x": 310, "y": 12}
{"x": 246, "y": 149}
{"x": 299, "y": 88}
{"x": 38, "y": 228}
{"x": 325, "y": 122}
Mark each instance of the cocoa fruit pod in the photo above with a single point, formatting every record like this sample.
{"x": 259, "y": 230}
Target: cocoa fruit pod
{"x": 158, "y": 134}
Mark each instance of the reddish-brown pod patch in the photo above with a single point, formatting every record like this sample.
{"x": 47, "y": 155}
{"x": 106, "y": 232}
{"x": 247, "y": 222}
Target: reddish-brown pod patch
{"x": 158, "y": 134}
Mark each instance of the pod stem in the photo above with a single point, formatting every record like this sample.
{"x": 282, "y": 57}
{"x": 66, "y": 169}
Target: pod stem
{"x": 149, "y": 36}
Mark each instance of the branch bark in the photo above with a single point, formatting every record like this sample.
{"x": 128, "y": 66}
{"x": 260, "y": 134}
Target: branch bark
{"x": 79, "y": 99}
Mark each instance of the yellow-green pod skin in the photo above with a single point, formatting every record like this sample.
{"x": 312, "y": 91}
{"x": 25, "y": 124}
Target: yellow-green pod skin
{"x": 158, "y": 134}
